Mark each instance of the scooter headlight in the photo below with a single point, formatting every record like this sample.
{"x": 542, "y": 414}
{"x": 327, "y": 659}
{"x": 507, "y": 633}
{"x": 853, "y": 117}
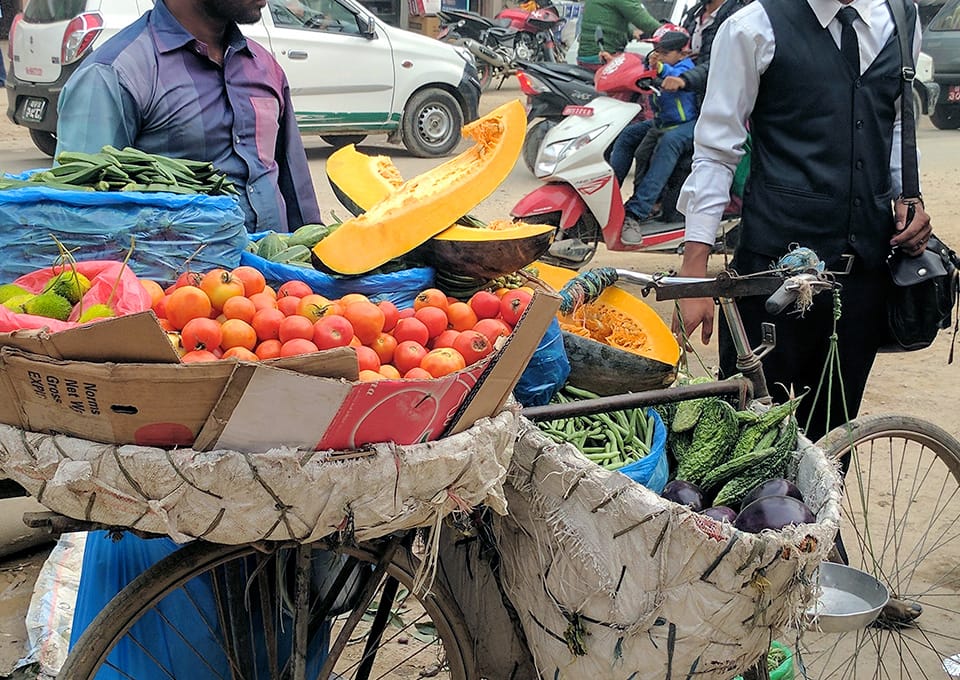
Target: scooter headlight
{"x": 552, "y": 154}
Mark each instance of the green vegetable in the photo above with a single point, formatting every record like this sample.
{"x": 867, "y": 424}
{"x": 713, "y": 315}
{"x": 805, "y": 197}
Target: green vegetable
{"x": 713, "y": 436}
{"x": 270, "y": 245}
{"x": 769, "y": 466}
{"x": 308, "y": 235}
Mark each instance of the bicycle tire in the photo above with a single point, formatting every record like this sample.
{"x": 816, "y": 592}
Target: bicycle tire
{"x": 198, "y": 560}
{"x": 896, "y": 539}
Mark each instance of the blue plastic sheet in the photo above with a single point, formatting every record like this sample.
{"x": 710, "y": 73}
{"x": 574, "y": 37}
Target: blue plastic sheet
{"x": 653, "y": 469}
{"x": 98, "y": 225}
{"x": 547, "y": 370}
{"x": 400, "y": 287}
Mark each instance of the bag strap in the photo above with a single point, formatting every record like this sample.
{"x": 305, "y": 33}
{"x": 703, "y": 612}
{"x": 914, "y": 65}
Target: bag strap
{"x": 908, "y": 130}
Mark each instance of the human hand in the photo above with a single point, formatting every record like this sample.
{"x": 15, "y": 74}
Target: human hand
{"x": 693, "y": 313}
{"x": 673, "y": 83}
{"x": 637, "y": 33}
{"x": 911, "y": 234}
{"x": 605, "y": 56}
{"x": 653, "y": 58}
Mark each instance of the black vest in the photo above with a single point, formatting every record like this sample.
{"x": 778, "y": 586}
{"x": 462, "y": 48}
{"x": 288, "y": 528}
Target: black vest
{"x": 820, "y": 164}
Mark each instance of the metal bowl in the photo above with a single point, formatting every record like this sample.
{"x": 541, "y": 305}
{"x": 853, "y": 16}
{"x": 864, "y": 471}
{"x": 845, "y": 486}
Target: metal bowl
{"x": 849, "y": 599}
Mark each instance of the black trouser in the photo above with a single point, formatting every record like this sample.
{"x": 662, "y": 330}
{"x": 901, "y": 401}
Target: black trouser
{"x": 802, "y": 342}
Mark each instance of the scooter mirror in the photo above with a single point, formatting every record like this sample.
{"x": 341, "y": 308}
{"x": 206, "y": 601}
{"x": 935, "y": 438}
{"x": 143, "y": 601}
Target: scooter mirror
{"x": 598, "y": 34}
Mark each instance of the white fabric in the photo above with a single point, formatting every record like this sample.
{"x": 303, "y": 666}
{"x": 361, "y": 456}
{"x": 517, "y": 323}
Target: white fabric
{"x": 742, "y": 51}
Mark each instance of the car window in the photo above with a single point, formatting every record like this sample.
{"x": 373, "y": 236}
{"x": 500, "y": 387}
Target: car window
{"x": 315, "y": 15}
{"x": 948, "y": 18}
{"x": 50, "y": 11}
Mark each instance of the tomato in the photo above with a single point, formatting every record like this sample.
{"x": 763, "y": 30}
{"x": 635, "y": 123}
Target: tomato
{"x": 431, "y": 297}
{"x": 220, "y": 285}
{"x": 390, "y": 314}
{"x": 268, "y": 349}
{"x": 461, "y": 316}
{"x": 295, "y": 326}
{"x": 390, "y": 372}
{"x": 154, "y": 289}
{"x": 384, "y": 346}
{"x": 417, "y": 373}
{"x": 198, "y": 355}
{"x": 408, "y": 354}
{"x": 266, "y": 323}
{"x": 513, "y": 305}
{"x": 434, "y": 318}
{"x": 367, "y": 359}
{"x": 253, "y": 281}
{"x": 241, "y": 354}
{"x": 263, "y": 301}
{"x": 187, "y": 278}
{"x": 332, "y": 331}
{"x": 367, "y": 320}
{"x": 370, "y": 376}
{"x": 485, "y": 305}
{"x": 295, "y": 288}
{"x": 405, "y": 313}
{"x": 355, "y": 342}
{"x": 201, "y": 333}
{"x": 237, "y": 333}
{"x": 297, "y": 346}
{"x": 313, "y": 306}
{"x": 165, "y": 325}
{"x": 493, "y": 329}
{"x": 442, "y": 361}
{"x": 239, "y": 307}
{"x": 185, "y": 303}
{"x": 288, "y": 304}
{"x": 160, "y": 307}
{"x": 473, "y": 345}
{"x": 445, "y": 339}
{"x": 411, "y": 329}
{"x": 500, "y": 292}
{"x": 350, "y": 298}
{"x": 268, "y": 289}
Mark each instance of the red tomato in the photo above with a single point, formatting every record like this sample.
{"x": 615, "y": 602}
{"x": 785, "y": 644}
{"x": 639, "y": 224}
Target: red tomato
{"x": 442, "y": 361}
{"x": 288, "y": 304}
{"x": 240, "y": 353}
{"x": 237, "y": 333}
{"x": 461, "y": 316}
{"x": 431, "y": 297}
{"x": 473, "y": 345}
{"x": 268, "y": 349}
{"x": 384, "y": 346}
{"x": 513, "y": 305}
{"x": 390, "y": 372}
{"x": 198, "y": 355}
{"x": 201, "y": 333}
{"x": 239, "y": 307}
{"x": 295, "y": 288}
{"x": 411, "y": 329}
{"x": 297, "y": 346}
{"x": 266, "y": 323}
{"x": 405, "y": 313}
{"x": 417, "y": 373}
{"x": 332, "y": 331}
{"x": 434, "y": 318}
{"x": 390, "y": 314}
{"x": 367, "y": 359}
{"x": 445, "y": 339}
{"x": 295, "y": 326}
{"x": 367, "y": 320}
{"x": 253, "y": 281}
{"x": 313, "y": 306}
{"x": 370, "y": 376}
{"x": 263, "y": 301}
{"x": 185, "y": 303}
{"x": 220, "y": 285}
{"x": 485, "y": 304}
{"x": 493, "y": 329}
{"x": 350, "y": 298}
{"x": 188, "y": 278}
{"x": 408, "y": 355}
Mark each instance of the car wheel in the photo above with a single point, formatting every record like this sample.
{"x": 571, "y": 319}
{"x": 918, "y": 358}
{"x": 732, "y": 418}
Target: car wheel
{"x": 45, "y": 141}
{"x": 340, "y": 141}
{"x": 945, "y": 117}
{"x": 534, "y": 140}
{"x": 431, "y": 123}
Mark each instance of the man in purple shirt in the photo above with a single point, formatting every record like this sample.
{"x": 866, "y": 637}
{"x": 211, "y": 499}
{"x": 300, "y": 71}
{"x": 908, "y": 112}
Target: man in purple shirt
{"x": 183, "y": 81}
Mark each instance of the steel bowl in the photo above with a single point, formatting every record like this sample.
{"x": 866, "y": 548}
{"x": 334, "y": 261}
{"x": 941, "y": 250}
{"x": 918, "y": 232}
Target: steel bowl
{"x": 849, "y": 599}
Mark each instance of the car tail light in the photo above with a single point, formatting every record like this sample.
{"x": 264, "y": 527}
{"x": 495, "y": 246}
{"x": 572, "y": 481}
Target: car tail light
{"x": 13, "y": 28}
{"x": 79, "y": 36}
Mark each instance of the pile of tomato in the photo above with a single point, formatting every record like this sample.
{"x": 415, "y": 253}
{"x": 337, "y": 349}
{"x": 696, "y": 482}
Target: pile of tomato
{"x": 234, "y": 314}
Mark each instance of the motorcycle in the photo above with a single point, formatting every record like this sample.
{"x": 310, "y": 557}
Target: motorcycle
{"x": 581, "y": 196}
{"x": 459, "y": 24}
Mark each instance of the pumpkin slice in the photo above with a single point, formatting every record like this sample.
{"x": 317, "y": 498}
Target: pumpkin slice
{"x": 502, "y": 247}
{"x": 360, "y": 181}
{"x": 606, "y": 369}
{"x": 427, "y": 204}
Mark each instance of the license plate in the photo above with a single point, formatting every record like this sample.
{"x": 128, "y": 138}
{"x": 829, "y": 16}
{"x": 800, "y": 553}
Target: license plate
{"x": 34, "y": 109}
{"x": 953, "y": 93}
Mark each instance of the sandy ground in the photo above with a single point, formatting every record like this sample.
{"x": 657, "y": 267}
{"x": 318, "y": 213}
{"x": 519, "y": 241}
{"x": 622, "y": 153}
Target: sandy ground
{"x": 920, "y": 383}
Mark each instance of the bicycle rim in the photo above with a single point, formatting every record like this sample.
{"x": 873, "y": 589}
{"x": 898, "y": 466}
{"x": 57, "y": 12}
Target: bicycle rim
{"x": 900, "y": 522}
{"x": 269, "y": 620}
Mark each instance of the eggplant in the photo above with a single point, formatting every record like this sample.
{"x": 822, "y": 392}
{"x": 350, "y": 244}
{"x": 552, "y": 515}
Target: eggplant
{"x": 773, "y": 512}
{"x": 772, "y": 487}
{"x": 721, "y": 513}
{"x": 684, "y": 493}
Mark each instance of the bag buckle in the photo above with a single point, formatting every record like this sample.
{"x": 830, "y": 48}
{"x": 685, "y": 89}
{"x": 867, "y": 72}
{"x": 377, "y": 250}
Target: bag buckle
{"x": 846, "y": 263}
{"x": 908, "y": 74}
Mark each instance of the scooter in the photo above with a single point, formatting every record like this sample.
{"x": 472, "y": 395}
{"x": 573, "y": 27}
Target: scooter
{"x": 581, "y": 196}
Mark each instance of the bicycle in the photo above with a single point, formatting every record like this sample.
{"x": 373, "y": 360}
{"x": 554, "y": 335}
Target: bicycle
{"x": 373, "y": 587}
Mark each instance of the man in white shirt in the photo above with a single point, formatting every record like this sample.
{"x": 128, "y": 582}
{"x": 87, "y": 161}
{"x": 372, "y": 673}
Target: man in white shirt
{"x": 824, "y": 116}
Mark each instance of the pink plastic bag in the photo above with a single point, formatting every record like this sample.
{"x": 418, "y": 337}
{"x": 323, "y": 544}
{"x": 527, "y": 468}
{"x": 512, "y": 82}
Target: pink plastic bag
{"x": 129, "y": 297}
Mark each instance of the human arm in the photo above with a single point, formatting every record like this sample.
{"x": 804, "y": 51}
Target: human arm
{"x": 294, "y": 180}
{"x": 94, "y": 110}
{"x": 635, "y": 13}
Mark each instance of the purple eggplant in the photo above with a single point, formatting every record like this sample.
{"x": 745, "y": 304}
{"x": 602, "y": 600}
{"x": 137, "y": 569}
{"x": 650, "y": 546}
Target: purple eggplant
{"x": 772, "y": 487}
{"x": 684, "y": 493}
{"x": 721, "y": 513}
{"x": 773, "y": 512}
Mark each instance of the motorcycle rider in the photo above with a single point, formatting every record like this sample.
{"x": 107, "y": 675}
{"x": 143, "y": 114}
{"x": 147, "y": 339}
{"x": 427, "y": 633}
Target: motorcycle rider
{"x": 613, "y": 17}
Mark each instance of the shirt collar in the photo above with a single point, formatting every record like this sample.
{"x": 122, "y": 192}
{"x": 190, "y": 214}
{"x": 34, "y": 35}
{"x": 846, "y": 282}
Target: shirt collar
{"x": 826, "y": 10}
{"x": 170, "y": 35}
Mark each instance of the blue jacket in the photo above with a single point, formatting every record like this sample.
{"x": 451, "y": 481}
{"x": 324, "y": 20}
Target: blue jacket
{"x": 673, "y": 108}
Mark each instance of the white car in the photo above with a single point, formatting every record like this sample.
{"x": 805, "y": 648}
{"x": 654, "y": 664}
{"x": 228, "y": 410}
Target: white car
{"x": 351, "y": 75}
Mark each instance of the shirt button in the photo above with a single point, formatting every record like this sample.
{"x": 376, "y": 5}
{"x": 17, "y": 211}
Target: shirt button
{"x": 853, "y": 238}
{"x": 859, "y": 165}
{"x": 238, "y": 139}
{"x": 250, "y": 189}
{"x": 857, "y": 83}
{"x": 856, "y": 202}
{"x": 859, "y": 124}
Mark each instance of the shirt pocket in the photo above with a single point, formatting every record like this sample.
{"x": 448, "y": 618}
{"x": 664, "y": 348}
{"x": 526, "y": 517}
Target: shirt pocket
{"x": 266, "y": 113}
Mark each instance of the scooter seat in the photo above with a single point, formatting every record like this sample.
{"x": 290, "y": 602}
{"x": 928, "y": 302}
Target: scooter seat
{"x": 572, "y": 71}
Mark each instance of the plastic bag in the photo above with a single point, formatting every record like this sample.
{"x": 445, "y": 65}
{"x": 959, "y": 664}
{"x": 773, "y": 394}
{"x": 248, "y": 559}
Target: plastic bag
{"x": 166, "y": 228}
{"x": 785, "y": 670}
{"x": 547, "y": 370}
{"x": 129, "y": 297}
{"x": 653, "y": 469}
{"x": 400, "y": 287}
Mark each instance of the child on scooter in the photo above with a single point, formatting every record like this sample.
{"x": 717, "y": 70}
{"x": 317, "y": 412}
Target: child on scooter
{"x": 662, "y": 139}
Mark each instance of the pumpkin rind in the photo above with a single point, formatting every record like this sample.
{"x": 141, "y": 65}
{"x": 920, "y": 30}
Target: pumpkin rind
{"x": 360, "y": 181}
{"x": 427, "y": 204}
{"x": 486, "y": 253}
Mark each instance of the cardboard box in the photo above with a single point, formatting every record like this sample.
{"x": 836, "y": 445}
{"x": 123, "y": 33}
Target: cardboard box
{"x": 419, "y": 8}
{"x": 426, "y": 25}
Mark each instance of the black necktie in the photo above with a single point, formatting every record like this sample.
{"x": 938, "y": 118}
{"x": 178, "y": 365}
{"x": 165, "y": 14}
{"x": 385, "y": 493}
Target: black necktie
{"x": 849, "y": 47}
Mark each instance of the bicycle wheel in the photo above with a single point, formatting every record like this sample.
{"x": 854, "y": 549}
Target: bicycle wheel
{"x": 264, "y": 611}
{"x": 900, "y": 522}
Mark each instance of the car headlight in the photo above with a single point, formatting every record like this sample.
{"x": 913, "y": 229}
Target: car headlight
{"x": 551, "y": 154}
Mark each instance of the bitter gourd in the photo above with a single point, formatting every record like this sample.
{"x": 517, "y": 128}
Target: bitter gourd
{"x": 770, "y": 466}
{"x": 713, "y": 437}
